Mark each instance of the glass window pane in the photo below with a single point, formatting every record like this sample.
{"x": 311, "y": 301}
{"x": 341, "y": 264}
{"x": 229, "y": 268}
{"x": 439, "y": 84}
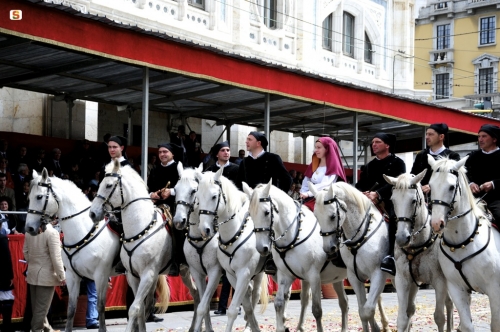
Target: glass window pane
{"x": 442, "y": 86}
{"x": 368, "y": 49}
{"x": 327, "y": 32}
{"x": 487, "y": 32}
{"x": 486, "y": 80}
{"x": 348, "y": 35}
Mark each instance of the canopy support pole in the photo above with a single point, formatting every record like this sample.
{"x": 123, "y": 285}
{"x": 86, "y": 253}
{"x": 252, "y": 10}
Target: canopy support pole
{"x": 355, "y": 148}
{"x": 145, "y": 123}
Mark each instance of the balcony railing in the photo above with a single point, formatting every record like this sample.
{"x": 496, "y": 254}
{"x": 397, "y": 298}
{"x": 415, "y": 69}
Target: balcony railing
{"x": 441, "y": 56}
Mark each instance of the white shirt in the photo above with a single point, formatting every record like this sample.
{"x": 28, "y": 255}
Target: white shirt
{"x": 490, "y": 152}
{"x": 257, "y": 156}
{"x": 225, "y": 165}
{"x": 5, "y": 224}
{"x": 319, "y": 179}
{"x": 438, "y": 151}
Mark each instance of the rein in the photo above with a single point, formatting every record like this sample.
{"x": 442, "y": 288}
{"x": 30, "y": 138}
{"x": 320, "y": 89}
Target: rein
{"x": 354, "y": 246}
{"x": 450, "y": 205}
{"x": 214, "y": 213}
{"x": 43, "y": 214}
{"x": 282, "y": 250}
{"x": 339, "y": 231}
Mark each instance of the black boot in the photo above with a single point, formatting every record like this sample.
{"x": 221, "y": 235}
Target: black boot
{"x": 119, "y": 268}
{"x": 270, "y": 266}
{"x": 388, "y": 265}
{"x": 174, "y": 269}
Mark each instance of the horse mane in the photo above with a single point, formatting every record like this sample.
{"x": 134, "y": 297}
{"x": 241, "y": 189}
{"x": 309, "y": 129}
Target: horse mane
{"x": 349, "y": 191}
{"x": 445, "y": 165}
{"x": 254, "y": 200}
{"x": 238, "y": 198}
{"x": 128, "y": 171}
{"x": 70, "y": 189}
{"x": 187, "y": 175}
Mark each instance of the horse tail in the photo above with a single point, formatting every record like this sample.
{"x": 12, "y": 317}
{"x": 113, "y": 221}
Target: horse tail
{"x": 163, "y": 291}
{"x": 264, "y": 294}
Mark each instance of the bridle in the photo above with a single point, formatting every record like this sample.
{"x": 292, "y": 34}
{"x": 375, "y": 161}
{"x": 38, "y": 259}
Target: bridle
{"x": 106, "y": 201}
{"x": 451, "y": 205}
{"x": 412, "y": 219}
{"x": 190, "y": 207}
{"x": 338, "y": 232}
{"x": 270, "y": 229}
{"x": 215, "y": 222}
{"x": 45, "y": 218}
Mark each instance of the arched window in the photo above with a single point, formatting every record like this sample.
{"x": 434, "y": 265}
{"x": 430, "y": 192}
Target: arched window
{"x": 368, "y": 50}
{"x": 348, "y": 35}
{"x": 269, "y": 12}
{"x": 327, "y": 32}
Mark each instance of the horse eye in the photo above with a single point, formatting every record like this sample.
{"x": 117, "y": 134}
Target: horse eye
{"x": 193, "y": 192}
{"x": 108, "y": 186}
{"x": 214, "y": 197}
{"x": 452, "y": 188}
{"x": 332, "y": 217}
{"x": 413, "y": 201}
{"x": 266, "y": 213}
{"x": 39, "y": 197}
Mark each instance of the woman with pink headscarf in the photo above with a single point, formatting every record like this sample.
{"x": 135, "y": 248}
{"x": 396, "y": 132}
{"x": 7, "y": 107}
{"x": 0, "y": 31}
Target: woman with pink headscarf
{"x": 325, "y": 168}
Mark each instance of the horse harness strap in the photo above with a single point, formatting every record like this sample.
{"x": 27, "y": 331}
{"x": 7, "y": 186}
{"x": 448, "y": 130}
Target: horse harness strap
{"x": 417, "y": 250}
{"x": 450, "y": 205}
{"x": 137, "y": 237}
{"x": 283, "y": 250}
{"x": 231, "y": 255}
{"x": 42, "y": 213}
{"x": 338, "y": 231}
{"x": 200, "y": 249}
{"x": 459, "y": 264}
{"x": 224, "y": 244}
{"x": 74, "y": 215}
{"x": 353, "y": 247}
{"x": 81, "y": 244}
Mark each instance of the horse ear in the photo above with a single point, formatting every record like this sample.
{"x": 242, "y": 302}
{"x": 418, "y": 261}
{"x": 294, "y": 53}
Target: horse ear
{"x": 331, "y": 193}
{"x": 34, "y": 174}
{"x": 45, "y": 174}
{"x": 200, "y": 168}
{"x": 460, "y": 163}
{"x": 416, "y": 179}
{"x": 312, "y": 188}
{"x": 180, "y": 168}
{"x": 116, "y": 166}
{"x": 246, "y": 189}
{"x": 390, "y": 179}
{"x": 267, "y": 188}
{"x": 431, "y": 161}
{"x": 218, "y": 174}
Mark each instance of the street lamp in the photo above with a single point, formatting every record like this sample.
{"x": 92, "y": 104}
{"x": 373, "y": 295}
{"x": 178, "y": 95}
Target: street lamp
{"x": 401, "y": 54}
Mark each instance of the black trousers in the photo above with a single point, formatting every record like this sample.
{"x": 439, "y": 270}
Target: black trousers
{"x": 494, "y": 208}
{"x": 224, "y": 293}
{"x": 6, "y": 310}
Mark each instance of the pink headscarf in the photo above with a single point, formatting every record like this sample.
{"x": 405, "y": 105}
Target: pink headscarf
{"x": 333, "y": 161}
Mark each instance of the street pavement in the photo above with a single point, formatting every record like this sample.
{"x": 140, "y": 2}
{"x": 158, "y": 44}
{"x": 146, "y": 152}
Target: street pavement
{"x": 422, "y": 321}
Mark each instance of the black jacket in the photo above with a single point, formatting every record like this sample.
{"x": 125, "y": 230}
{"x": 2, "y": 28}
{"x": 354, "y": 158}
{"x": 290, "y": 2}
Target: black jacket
{"x": 261, "y": 170}
{"x": 159, "y": 178}
{"x": 421, "y": 163}
{"x": 6, "y": 263}
{"x": 230, "y": 172}
{"x": 481, "y": 168}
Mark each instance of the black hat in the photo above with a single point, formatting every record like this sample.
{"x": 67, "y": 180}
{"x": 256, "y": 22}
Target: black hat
{"x": 217, "y": 147}
{"x": 260, "y": 137}
{"x": 440, "y": 128}
{"x": 176, "y": 150}
{"x": 122, "y": 141}
{"x": 389, "y": 139}
{"x": 492, "y": 130}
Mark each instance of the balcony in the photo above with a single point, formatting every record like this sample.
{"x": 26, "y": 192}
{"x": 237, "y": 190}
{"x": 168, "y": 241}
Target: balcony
{"x": 472, "y": 4}
{"x": 441, "y": 8}
{"x": 444, "y": 56}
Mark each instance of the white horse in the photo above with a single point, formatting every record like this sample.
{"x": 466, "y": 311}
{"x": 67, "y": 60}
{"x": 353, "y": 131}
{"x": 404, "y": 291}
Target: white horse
{"x": 147, "y": 245}
{"x": 224, "y": 208}
{"x": 469, "y": 247}
{"x": 416, "y": 252}
{"x": 290, "y": 232}
{"x": 89, "y": 248}
{"x": 344, "y": 212}
{"x": 201, "y": 255}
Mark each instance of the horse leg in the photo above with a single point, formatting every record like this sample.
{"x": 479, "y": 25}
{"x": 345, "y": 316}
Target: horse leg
{"x": 242, "y": 294}
{"x": 284, "y": 284}
{"x": 405, "y": 300}
{"x": 462, "y": 302}
{"x": 317, "y": 310}
{"x": 193, "y": 290}
{"x": 449, "y": 312}
{"x": 142, "y": 288}
{"x": 343, "y": 303}
{"x": 377, "y": 284}
{"x": 441, "y": 293}
{"x": 73, "y": 284}
{"x": 360, "y": 291}
{"x": 206, "y": 290}
{"x": 305, "y": 297}
{"x": 101, "y": 283}
{"x": 494, "y": 305}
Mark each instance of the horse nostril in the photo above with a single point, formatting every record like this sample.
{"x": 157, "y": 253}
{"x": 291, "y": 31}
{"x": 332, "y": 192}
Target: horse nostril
{"x": 441, "y": 226}
{"x": 266, "y": 249}
{"x": 207, "y": 231}
{"x": 92, "y": 215}
{"x": 408, "y": 238}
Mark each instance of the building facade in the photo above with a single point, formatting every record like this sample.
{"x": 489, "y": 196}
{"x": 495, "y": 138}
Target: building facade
{"x": 457, "y": 54}
{"x": 368, "y": 43}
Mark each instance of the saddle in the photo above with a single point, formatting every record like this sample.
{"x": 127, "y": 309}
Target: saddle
{"x": 165, "y": 213}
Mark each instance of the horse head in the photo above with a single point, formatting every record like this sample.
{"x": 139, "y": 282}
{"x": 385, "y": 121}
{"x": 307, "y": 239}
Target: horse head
{"x": 212, "y": 201}
{"x": 43, "y": 203}
{"x": 447, "y": 183}
{"x": 109, "y": 195}
{"x": 185, "y": 194}
{"x": 330, "y": 211}
{"x": 409, "y": 206}
{"x": 264, "y": 213}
